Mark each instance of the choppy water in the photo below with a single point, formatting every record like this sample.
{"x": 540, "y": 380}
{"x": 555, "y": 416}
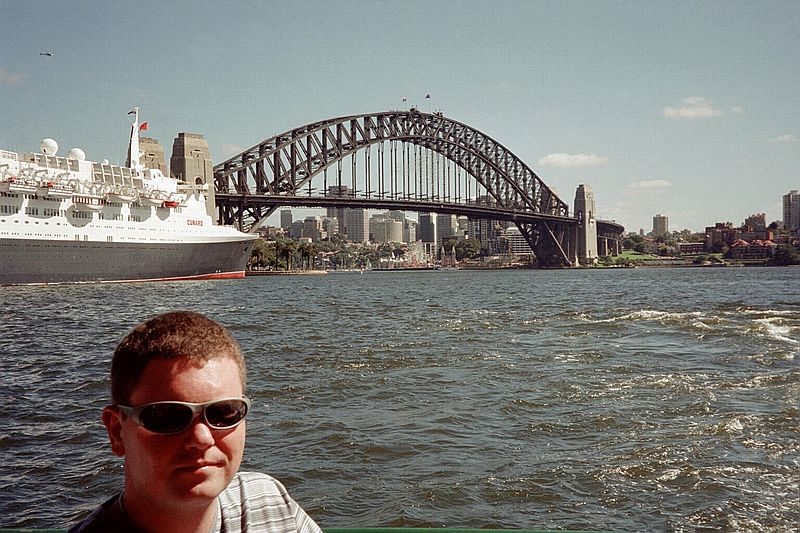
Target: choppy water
{"x": 628, "y": 400}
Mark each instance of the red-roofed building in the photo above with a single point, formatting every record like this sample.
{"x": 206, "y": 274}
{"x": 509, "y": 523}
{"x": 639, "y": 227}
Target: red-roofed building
{"x": 741, "y": 249}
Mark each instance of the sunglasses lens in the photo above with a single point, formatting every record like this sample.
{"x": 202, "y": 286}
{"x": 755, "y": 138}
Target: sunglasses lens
{"x": 166, "y": 417}
{"x": 226, "y": 413}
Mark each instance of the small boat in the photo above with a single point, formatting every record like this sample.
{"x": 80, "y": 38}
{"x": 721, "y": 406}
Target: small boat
{"x": 88, "y": 202}
{"x": 57, "y": 190}
{"x": 22, "y": 186}
{"x": 125, "y": 196}
{"x": 171, "y": 203}
{"x": 151, "y": 198}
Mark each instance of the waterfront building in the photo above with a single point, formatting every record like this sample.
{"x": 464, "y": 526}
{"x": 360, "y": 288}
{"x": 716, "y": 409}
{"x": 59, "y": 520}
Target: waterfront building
{"x": 418, "y": 253}
{"x": 517, "y": 245}
{"x": 791, "y": 210}
{"x": 660, "y": 225}
{"x": 286, "y": 218}
{"x": 691, "y": 248}
{"x": 758, "y": 249}
{"x": 718, "y": 235}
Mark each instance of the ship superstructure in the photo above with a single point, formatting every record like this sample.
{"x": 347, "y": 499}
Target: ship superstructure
{"x": 65, "y": 219}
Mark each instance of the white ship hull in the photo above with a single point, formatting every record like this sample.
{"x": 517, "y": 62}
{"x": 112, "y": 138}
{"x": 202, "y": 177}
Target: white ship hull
{"x": 63, "y": 220}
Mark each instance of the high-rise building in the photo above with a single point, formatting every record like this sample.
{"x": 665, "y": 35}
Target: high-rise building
{"x": 487, "y": 232}
{"x": 338, "y": 191}
{"x": 356, "y": 224}
{"x": 446, "y": 226}
{"x": 312, "y": 228}
{"x": 191, "y": 162}
{"x": 409, "y": 231}
{"x": 286, "y": 218}
{"x": 660, "y": 225}
{"x": 330, "y": 226}
{"x": 791, "y": 210}
{"x": 757, "y": 222}
{"x": 426, "y": 229}
{"x": 296, "y": 229}
{"x": 387, "y": 230}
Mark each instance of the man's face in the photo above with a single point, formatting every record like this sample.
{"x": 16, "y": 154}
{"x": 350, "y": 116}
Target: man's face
{"x": 191, "y": 467}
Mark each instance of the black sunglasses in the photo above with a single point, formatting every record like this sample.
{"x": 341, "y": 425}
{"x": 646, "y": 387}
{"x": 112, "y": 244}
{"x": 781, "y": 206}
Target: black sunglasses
{"x": 174, "y": 417}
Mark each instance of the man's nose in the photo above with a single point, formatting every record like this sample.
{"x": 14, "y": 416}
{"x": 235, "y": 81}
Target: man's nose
{"x": 200, "y": 435}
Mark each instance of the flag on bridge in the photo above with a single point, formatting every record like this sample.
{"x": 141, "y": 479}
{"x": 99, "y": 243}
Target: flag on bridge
{"x": 143, "y": 126}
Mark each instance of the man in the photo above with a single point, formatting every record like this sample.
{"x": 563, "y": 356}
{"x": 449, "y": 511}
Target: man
{"x": 177, "y": 418}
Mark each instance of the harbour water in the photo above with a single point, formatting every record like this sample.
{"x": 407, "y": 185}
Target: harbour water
{"x": 625, "y": 400}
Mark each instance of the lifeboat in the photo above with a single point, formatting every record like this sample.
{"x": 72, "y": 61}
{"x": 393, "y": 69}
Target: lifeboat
{"x": 125, "y": 196}
{"x": 18, "y": 185}
{"x": 151, "y": 198}
{"x": 88, "y": 202}
{"x": 57, "y": 190}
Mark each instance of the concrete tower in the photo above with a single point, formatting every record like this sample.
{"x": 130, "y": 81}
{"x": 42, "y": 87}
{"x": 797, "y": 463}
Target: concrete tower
{"x": 191, "y": 162}
{"x": 152, "y": 154}
{"x": 587, "y": 225}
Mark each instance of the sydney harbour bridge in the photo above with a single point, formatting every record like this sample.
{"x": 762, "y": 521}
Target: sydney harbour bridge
{"x": 408, "y": 161}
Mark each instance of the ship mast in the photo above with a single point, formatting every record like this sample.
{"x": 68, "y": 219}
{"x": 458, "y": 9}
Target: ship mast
{"x": 132, "y": 160}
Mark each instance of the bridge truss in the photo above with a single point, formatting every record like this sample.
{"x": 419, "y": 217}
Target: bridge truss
{"x": 409, "y": 160}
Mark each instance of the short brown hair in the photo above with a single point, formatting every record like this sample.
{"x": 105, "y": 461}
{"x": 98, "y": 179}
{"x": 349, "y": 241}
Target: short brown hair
{"x": 174, "y": 335}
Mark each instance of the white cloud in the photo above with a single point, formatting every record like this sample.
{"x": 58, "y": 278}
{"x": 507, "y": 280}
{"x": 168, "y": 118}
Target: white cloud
{"x": 650, "y": 185}
{"x": 9, "y": 78}
{"x": 693, "y": 107}
{"x": 738, "y": 110}
{"x": 784, "y": 139}
{"x": 573, "y": 160}
{"x": 230, "y": 150}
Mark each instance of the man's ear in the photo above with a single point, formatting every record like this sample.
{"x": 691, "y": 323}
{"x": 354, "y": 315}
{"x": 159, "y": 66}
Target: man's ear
{"x": 112, "y": 419}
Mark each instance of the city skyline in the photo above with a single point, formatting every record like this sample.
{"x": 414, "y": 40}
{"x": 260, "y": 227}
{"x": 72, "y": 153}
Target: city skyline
{"x": 685, "y": 109}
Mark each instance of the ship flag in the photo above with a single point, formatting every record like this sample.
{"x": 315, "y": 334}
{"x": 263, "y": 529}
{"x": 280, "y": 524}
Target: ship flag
{"x": 143, "y": 126}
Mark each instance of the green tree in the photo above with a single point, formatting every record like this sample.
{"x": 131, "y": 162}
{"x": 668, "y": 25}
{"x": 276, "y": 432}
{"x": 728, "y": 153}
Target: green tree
{"x": 785, "y": 254}
{"x": 468, "y": 248}
{"x": 285, "y": 249}
{"x": 259, "y": 254}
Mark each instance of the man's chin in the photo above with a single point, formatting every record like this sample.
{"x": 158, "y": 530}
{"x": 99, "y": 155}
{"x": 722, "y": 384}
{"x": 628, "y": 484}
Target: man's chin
{"x": 199, "y": 485}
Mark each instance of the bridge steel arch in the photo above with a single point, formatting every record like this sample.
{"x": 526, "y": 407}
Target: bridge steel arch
{"x": 277, "y": 172}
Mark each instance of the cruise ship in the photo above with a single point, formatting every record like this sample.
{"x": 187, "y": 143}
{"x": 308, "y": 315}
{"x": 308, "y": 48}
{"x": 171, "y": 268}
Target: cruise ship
{"x": 64, "y": 219}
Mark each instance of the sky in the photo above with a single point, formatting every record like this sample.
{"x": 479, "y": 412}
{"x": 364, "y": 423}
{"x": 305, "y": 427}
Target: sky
{"x": 684, "y": 109}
